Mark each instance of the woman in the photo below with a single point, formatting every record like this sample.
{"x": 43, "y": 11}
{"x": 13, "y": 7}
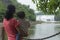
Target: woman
{"x": 10, "y": 23}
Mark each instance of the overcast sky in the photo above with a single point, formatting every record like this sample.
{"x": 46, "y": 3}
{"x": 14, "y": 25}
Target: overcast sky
{"x": 28, "y": 2}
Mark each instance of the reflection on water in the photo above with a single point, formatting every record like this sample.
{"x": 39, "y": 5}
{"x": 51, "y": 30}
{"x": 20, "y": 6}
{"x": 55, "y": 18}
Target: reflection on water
{"x": 44, "y": 30}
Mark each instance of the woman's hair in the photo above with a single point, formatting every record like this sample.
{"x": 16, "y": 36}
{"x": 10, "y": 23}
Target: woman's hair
{"x": 10, "y": 11}
{"x": 21, "y": 14}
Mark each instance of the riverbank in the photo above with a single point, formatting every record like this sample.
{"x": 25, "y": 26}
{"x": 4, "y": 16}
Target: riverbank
{"x": 39, "y": 22}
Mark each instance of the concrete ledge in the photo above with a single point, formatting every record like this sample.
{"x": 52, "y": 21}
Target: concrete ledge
{"x": 0, "y": 33}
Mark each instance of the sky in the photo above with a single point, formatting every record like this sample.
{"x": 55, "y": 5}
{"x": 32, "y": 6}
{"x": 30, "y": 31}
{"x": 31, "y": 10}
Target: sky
{"x": 28, "y": 2}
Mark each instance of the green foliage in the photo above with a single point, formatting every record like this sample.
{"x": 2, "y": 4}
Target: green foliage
{"x": 19, "y": 7}
{"x": 48, "y": 6}
{"x": 29, "y": 12}
{"x": 2, "y": 10}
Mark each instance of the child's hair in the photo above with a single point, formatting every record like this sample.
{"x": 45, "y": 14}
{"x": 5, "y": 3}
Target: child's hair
{"x": 21, "y": 14}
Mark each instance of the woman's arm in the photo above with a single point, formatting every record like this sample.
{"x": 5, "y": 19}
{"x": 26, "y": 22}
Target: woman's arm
{"x": 17, "y": 25}
{"x": 18, "y": 29}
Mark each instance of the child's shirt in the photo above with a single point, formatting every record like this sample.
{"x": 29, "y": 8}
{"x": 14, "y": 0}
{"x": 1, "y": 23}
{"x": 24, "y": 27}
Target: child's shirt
{"x": 24, "y": 25}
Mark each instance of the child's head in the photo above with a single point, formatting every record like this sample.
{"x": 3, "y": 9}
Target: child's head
{"x": 21, "y": 14}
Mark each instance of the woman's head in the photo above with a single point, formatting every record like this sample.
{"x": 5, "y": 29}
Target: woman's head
{"x": 21, "y": 14}
{"x": 10, "y": 11}
{"x": 11, "y": 8}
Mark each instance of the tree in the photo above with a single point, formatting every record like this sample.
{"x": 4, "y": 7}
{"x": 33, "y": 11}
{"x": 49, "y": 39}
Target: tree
{"x": 29, "y": 12}
{"x": 48, "y": 6}
{"x": 19, "y": 7}
{"x": 2, "y": 10}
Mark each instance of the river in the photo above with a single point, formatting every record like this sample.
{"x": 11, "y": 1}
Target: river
{"x": 42, "y": 30}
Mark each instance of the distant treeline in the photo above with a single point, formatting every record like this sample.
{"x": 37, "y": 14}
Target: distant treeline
{"x": 19, "y": 7}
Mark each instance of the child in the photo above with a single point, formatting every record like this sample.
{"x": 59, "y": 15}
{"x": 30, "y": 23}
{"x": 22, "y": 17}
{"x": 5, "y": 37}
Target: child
{"x": 24, "y": 25}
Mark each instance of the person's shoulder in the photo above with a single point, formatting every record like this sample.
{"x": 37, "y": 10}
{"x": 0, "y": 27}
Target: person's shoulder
{"x": 4, "y": 19}
{"x": 14, "y": 19}
{"x": 26, "y": 21}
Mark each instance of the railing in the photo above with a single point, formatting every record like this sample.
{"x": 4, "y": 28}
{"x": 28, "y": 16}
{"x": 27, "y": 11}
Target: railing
{"x": 3, "y": 33}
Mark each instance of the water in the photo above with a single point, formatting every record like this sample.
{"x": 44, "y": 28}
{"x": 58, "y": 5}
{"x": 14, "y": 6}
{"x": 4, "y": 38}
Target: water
{"x": 39, "y": 31}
